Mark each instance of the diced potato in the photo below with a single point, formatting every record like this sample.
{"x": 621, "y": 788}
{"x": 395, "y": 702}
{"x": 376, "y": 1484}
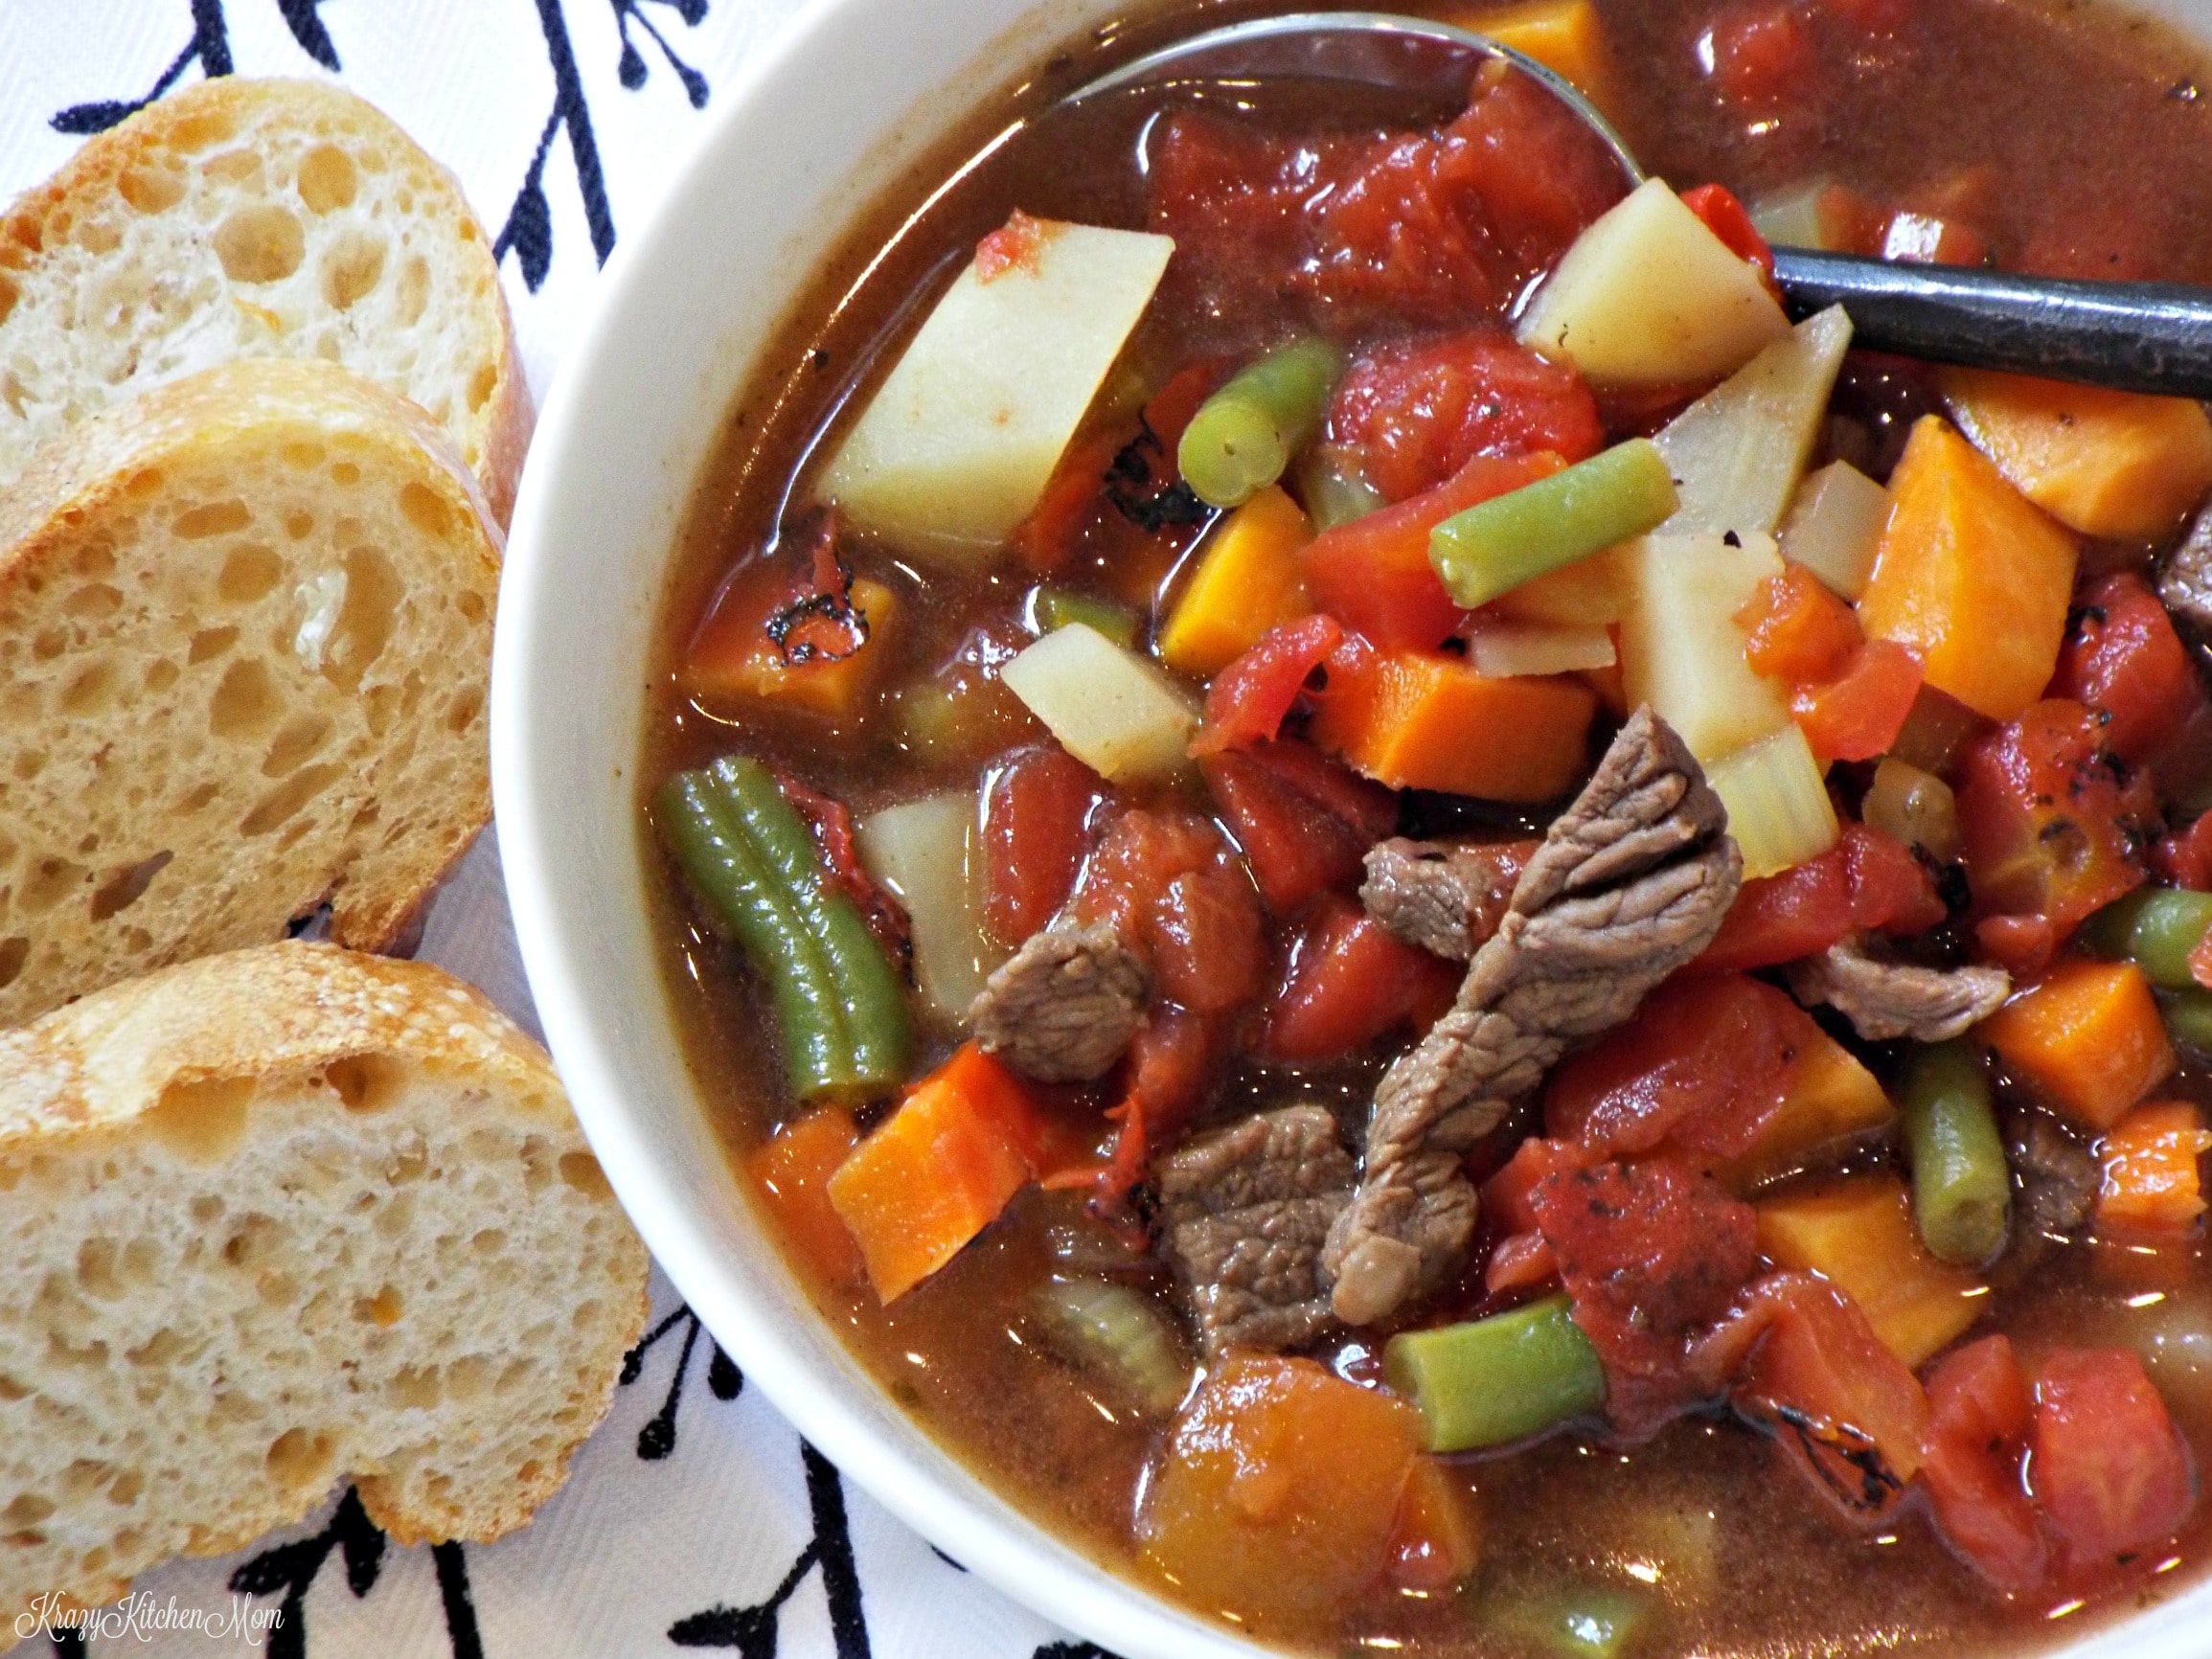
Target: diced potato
{"x": 1834, "y": 526}
{"x": 1501, "y": 650}
{"x": 1736, "y": 453}
{"x": 1777, "y": 801}
{"x": 1681, "y": 650}
{"x": 1858, "y": 1231}
{"x": 1247, "y": 581}
{"x": 2109, "y": 464}
{"x": 1110, "y": 708}
{"x": 930, "y": 854}
{"x": 958, "y": 442}
{"x": 1648, "y": 296}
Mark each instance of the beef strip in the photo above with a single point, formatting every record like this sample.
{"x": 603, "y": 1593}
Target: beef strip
{"x": 1886, "y": 999}
{"x": 2185, "y": 578}
{"x": 1630, "y": 882}
{"x": 1442, "y": 896}
{"x": 1245, "y": 1211}
{"x": 1064, "y": 1005}
{"x": 2059, "y": 1178}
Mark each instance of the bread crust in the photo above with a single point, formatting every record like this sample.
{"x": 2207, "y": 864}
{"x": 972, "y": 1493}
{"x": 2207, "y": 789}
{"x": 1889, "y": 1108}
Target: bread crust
{"x": 202, "y": 118}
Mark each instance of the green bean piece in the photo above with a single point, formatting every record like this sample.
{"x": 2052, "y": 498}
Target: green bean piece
{"x": 2189, "y": 1018}
{"x": 1331, "y": 488}
{"x": 1961, "y": 1186}
{"x": 1496, "y": 1379}
{"x": 1050, "y": 608}
{"x": 719, "y": 857}
{"x": 1589, "y": 1622}
{"x": 873, "y": 1001}
{"x": 1244, "y": 435}
{"x": 1495, "y": 545}
{"x": 2156, "y": 928}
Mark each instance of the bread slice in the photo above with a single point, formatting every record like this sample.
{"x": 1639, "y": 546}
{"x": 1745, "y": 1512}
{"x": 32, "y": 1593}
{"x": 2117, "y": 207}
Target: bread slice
{"x": 245, "y": 634}
{"x": 277, "y": 1218}
{"x": 256, "y": 218}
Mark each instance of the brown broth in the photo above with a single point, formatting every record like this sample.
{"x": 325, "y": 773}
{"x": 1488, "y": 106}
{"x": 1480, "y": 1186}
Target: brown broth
{"x": 1741, "y": 1558}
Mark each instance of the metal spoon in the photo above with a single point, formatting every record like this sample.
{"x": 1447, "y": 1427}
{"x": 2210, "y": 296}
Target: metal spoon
{"x": 2134, "y": 337}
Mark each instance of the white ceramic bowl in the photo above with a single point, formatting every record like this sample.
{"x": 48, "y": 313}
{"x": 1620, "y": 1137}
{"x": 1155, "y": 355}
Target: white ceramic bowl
{"x": 856, "y": 91}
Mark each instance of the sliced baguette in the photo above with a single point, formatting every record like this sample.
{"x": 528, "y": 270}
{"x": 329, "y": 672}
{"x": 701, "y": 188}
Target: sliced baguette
{"x": 256, "y": 218}
{"x": 277, "y": 1218}
{"x": 245, "y": 633}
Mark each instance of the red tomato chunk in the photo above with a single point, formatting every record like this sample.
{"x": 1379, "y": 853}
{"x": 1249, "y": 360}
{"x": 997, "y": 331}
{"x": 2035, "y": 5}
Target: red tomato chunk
{"x": 1036, "y": 823}
{"x": 1979, "y": 1415}
{"x": 1305, "y": 822}
{"x": 2109, "y": 1471}
{"x": 1349, "y": 982}
{"x": 2123, "y": 657}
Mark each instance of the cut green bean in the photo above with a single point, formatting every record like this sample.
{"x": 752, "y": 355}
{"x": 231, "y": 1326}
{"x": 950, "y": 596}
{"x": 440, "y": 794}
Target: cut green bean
{"x": 1495, "y": 545}
{"x": 1055, "y": 608}
{"x": 1496, "y": 1379}
{"x": 730, "y": 874}
{"x": 2156, "y": 928}
{"x": 868, "y": 990}
{"x": 1244, "y": 435}
{"x": 2189, "y": 1018}
{"x": 1589, "y": 1622}
{"x": 1331, "y": 490}
{"x": 1961, "y": 1186}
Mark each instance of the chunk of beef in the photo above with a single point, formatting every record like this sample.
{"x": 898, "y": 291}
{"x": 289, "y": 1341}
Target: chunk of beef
{"x": 1884, "y": 999}
{"x": 1245, "y": 1212}
{"x": 1442, "y": 896}
{"x": 1064, "y": 1005}
{"x": 1630, "y": 883}
{"x": 2185, "y": 578}
{"x": 2059, "y": 1178}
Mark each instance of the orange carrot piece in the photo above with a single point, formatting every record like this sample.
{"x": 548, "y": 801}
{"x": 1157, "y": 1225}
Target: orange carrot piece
{"x": 1971, "y": 576}
{"x": 1423, "y": 720}
{"x": 1828, "y": 1100}
{"x": 2151, "y": 1182}
{"x": 1797, "y": 629}
{"x": 1437, "y": 1542}
{"x": 793, "y": 1171}
{"x": 2089, "y": 1036}
{"x": 733, "y": 656}
{"x": 939, "y": 1170}
{"x": 1858, "y": 1232}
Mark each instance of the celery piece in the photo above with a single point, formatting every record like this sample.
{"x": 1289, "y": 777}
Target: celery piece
{"x": 1915, "y": 807}
{"x": 1496, "y": 1379}
{"x": 1244, "y": 435}
{"x": 1961, "y": 1185}
{"x": 1330, "y": 487}
{"x": 1587, "y": 1621}
{"x": 2156, "y": 928}
{"x": 1792, "y": 219}
{"x": 1121, "y": 1335}
{"x": 1777, "y": 801}
{"x": 1496, "y": 545}
{"x": 2189, "y": 1018}
{"x": 1047, "y": 609}
{"x": 1834, "y": 526}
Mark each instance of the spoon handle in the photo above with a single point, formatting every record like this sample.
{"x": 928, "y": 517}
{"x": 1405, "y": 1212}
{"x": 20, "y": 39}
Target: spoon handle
{"x": 2132, "y": 336}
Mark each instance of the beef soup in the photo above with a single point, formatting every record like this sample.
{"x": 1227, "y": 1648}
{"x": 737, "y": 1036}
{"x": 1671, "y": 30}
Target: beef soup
{"x": 1448, "y": 945}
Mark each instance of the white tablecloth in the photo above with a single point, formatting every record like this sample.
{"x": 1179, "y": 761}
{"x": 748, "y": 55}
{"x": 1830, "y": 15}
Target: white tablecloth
{"x": 695, "y": 1518}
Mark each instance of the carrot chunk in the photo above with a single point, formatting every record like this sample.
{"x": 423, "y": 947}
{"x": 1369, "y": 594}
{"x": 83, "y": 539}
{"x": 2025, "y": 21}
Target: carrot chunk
{"x": 2088, "y": 1036}
{"x": 1858, "y": 1232}
{"x": 1422, "y": 720}
{"x": 1971, "y": 577}
{"x": 2151, "y": 1183}
{"x": 793, "y": 1171}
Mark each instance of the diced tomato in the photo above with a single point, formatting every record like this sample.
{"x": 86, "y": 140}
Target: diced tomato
{"x": 1305, "y": 822}
{"x": 2109, "y": 1471}
{"x": 1373, "y": 575}
{"x": 1651, "y": 1254}
{"x": 2185, "y": 858}
{"x": 1505, "y": 1196}
{"x": 1795, "y": 629}
{"x": 2023, "y": 946}
{"x": 1979, "y": 1415}
{"x": 1726, "y": 218}
{"x": 2122, "y": 656}
{"x": 1439, "y": 228}
{"x": 1046, "y": 538}
{"x": 1249, "y": 699}
{"x": 1702, "y": 1066}
{"x": 1522, "y": 1261}
{"x": 1778, "y": 919}
{"x": 1857, "y": 715}
{"x": 1035, "y": 817}
{"x": 828, "y": 822}
{"x": 1890, "y": 889}
{"x": 1418, "y": 411}
{"x": 1759, "y": 55}
{"x": 1349, "y": 981}
{"x": 1844, "y": 1410}
{"x": 1207, "y": 949}
{"x": 2052, "y": 823}
{"x": 1169, "y": 410}
{"x": 1171, "y": 1066}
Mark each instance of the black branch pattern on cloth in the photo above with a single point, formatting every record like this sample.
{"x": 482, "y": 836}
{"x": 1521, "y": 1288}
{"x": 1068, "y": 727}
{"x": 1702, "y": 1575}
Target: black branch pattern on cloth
{"x": 724, "y": 1380}
{"x": 752, "y": 1630}
{"x": 209, "y": 47}
{"x": 289, "y": 1570}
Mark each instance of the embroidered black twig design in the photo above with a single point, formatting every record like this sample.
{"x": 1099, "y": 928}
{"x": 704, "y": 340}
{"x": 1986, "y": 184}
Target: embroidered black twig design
{"x": 1071, "y": 1650}
{"x": 209, "y": 47}
{"x": 452, "y": 1564}
{"x": 300, "y": 17}
{"x": 752, "y": 1630}
{"x": 290, "y": 1569}
{"x": 724, "y": 1380}
{"x": 633, "y": 69}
